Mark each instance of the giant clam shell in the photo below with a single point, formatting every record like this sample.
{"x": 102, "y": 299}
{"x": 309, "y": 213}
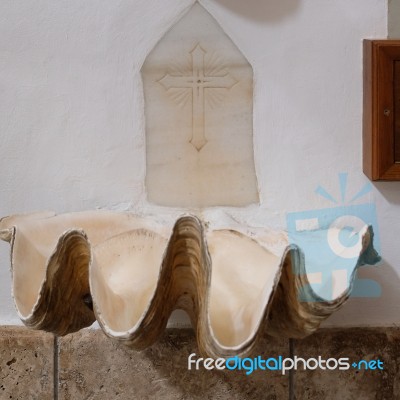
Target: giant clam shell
{"x": 130, "y": 273}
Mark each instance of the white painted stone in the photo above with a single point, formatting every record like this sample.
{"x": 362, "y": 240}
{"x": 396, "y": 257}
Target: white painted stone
{"x": 199, "y": 117}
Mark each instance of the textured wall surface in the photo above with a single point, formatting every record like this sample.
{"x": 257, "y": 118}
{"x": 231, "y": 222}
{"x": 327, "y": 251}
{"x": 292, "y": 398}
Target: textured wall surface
{"x": 72, "y": 120}
{"x": 88, "y": 366}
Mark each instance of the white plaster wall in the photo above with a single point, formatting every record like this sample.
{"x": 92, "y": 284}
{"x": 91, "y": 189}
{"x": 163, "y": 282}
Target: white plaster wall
{"x": 71, "y": 112}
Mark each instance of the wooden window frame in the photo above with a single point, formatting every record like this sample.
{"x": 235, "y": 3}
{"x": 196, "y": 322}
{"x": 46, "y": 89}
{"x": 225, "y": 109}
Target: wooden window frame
{"x": 381, "y": 118}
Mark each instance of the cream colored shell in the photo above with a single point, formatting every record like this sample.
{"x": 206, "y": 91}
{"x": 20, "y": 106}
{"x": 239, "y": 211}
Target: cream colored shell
{"x": 130, "y": 273}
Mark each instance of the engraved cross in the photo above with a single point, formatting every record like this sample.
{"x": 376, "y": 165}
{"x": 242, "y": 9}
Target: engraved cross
{"x": 198, "y": 82}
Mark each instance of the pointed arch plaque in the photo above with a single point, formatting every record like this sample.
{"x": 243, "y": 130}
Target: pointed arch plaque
{"x": 198, "y": 90}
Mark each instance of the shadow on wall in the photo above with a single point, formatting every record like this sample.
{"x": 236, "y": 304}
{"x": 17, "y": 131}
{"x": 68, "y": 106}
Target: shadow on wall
{"x": 270, "y": 11}
{"x": 389, "y": 190}
{"x": 360, "y": 307}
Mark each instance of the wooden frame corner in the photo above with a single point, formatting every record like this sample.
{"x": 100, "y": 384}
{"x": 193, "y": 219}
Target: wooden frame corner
{"x": 381, "y": 117}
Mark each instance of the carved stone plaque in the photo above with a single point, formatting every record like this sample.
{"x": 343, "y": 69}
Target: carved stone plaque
{"x": 198, "y": 90}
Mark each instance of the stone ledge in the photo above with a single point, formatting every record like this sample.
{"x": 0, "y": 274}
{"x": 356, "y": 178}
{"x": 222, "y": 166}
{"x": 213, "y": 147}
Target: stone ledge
{"x": 94, "y": 367}
{"x": 356, "y": 344}
{"x": 26, "y": 364}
